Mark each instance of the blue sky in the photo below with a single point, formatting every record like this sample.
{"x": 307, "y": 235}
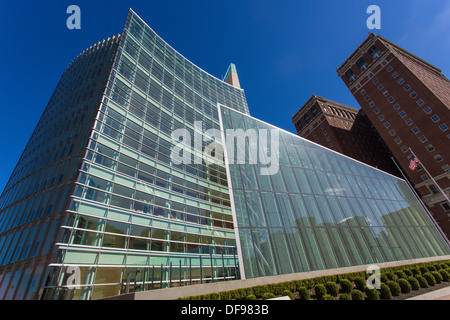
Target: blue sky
{"x": 284, "y": 50}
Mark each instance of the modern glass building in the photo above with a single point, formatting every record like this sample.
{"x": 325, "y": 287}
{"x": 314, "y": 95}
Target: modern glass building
{"x": 98, "y": 205}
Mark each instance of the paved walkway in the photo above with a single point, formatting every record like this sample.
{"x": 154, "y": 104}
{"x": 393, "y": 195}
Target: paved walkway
{"x": 441, "y": 294}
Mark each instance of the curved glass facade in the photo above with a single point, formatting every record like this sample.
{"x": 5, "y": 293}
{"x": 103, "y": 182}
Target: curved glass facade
{"x": 320, "y": 210}
{"x": 139, "y": 221}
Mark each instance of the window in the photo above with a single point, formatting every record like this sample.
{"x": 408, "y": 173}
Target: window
{"x": 391, "y": 99}
{"x": 300, "y": 124}
{"x": 376, "y": 110}
{"x": 425, "y": 177}
{"x": 375, "y": 81}
{"x": 422, "y": 138}
{"x": 370, "y": 75}
{"x": 325, "y": 133}
{"x": 420, "y": 102}
{"x": 363, "y": 91}
{"x": 446, "y": 168}
{"x": 374, "y": 52}
{"x": 401, "y": 81}
{"x": 367, "y": 98}
{"x": 409, "y": 122}
{"x": 331, "y": 144}
{"x": 395, "y": 74}
{"x": 392, "y": 132}
{"x": 407, "y": 87}
{"x": 413, "y": 94}
{"x": 314, "y": 110}
{"x": 385, "y": 93}
{"x": 362, "y": 64}
{"x": 430, "y": 147}
{"x": 381, "y": 117}
{"x": 371, "y": 104}
{"x": 398, "y": 140}
{"x": 380, "y": 87}
{"x": 433, "y": 189}
{"x": 386, "y": 124}
{"x": 427, "y": 110}
{"x": 404, "y": 148}
{"x": 415, "y": 130}
{"x": 402, "y": 114}
{"x": 396, "y": 106}
{"x": 445, "y": 206}
{"x": 438, "y": 158}
{"x": 306, "y": 117}
{"x": 350, "y": 75}
{"x": 443, "y": 127}
{"x": 389, "y": 69}
{"x": 384, "y": 63}
{"x": 435, "y": 118}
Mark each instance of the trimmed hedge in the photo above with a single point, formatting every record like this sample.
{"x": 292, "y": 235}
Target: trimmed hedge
{"x": 328, "y": 297}
{"x": 357, "y": 295}
{"x": 303, "y": 293}
{"x": 360, "y": 283}
{"x": 320, "y": 291}
{"x": 288, "y": 293}
{"x": 344, "y": 296}
{"x": 332, "y": 288}
{"x": 394, "y": 287}
{"x": 372, "y": 294}
{"x": 445, "y": 275}
{"x": 346, "y": 286}
{"x": 414, "y": 283}
{"x": 423, "y": 272}
{"x": 385, "y": 292}
{"x": 405, "y": 287}
{"x": 430, "y": 278}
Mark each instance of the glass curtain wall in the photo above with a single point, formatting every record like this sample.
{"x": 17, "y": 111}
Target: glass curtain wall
{"x": 320, "y": 210}
{"x": 139, "y": 221}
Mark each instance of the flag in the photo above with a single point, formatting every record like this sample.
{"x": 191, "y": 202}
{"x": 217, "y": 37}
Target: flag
{"x": 413, "y": 163}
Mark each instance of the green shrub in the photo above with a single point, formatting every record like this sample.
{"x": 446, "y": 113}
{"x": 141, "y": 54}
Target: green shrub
{"x": 332, "y": 288}
{"x": 400, "y": 274}
{"x": 408, "y": 272}
{"x": 423, "y": 270}
{"x": 250, "y": 297}
{"x": 372, "y": 294}
{"x": 437, "y": 276}
{"x": 437, "y": 266}
{"x": 303, "y": 292}
{"x": 394, "y": 287}
{"x": 415, "y": 271}
{"x": 385, "y": 292}
{"x": 422, "y": 281}
{"x": 405, "y": 287}
{"x": 383, "y": 278}
{"x": 430, "y": 278}
{"x": 360, "y": 283}
{"x": 268, "y": 295}
{"x": 288, "y": 293}
{"x": 346, "y": 286}
{"x": 414, "y": 283}
{"x": 357, "y": 295}
{"x": 344, "y": 296}
{"x": 444, "y": 274}
{"x": 443, "y": 266}
{"x": 431, "y": 268}
{"x": 390, "y": 275}
{"x": 328, "y": 297}
{"x": 258, "y": 291}
{"x": 320, "y": 291}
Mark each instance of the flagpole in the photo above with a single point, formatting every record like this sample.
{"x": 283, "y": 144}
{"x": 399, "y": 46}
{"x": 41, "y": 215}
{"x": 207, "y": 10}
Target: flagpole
{"x": 430, "y": 176}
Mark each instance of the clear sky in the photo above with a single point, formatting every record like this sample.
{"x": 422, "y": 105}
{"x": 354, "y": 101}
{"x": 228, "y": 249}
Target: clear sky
{"x": 283, "y": 50}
